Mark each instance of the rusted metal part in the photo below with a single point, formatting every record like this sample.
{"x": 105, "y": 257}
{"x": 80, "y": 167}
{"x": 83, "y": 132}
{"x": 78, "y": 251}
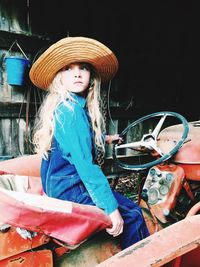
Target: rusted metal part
{"x": 41, "y": 258}
{"x": 179, "y": 260}
{"x": 12, "y": 243}
{"x": 190, "y": 151}
{"x": 160, "y": 248}
{"x": 192, "y": 172}
{"x": 152, "y": 223}
{"x": 188, "y": 156}
{"x": 167, "y": 202}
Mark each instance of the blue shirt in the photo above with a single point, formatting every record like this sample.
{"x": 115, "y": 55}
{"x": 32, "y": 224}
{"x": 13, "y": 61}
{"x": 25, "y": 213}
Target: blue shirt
{"x": 74, "y": 136}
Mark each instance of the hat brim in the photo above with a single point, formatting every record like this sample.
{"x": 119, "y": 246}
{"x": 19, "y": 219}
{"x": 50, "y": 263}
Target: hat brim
{"x": 69, "y": 50}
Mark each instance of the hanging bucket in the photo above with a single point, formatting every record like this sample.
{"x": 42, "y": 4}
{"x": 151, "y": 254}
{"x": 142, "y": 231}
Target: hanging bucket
{"x": 16, "y": 68}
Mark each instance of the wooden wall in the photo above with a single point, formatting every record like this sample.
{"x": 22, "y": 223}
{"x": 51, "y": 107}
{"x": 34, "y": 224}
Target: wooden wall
{"x": 18, "y": 104}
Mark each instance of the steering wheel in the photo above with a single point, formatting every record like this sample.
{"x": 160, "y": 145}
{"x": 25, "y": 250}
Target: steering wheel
{"x": 149, "y": 142}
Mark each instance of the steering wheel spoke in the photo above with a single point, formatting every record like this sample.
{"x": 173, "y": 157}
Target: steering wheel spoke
{"x": 133, "y": 145}
{"x": 159, "y": 126}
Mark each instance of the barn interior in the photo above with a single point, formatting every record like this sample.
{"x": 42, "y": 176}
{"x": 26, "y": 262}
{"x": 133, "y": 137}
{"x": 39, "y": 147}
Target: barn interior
{"x": 154, "y": 42}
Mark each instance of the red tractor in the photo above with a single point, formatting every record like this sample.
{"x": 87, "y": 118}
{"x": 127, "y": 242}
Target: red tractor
{"x": 165, "y": 150}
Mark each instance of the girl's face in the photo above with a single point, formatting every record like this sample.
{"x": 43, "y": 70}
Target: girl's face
{"x": 76, "y": 77}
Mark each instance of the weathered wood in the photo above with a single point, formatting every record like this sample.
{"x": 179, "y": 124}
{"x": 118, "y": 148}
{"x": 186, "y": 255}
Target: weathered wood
{"x": 5, "y": 137}
{"x": 16, "y": 110}
{"x": 15, "y": 26}
{"x": 15, "y": 136}
{"x": 30, "y": 43}
{"x": 14, "y": 16}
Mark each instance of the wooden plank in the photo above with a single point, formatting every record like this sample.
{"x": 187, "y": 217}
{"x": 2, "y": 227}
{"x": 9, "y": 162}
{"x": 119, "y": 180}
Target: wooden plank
{"x": 14, "y": 16}
{"x": 5, "y": 137}
{"x": 29, "y": 43}
{"x": 17, "y": 141}
{"x": 16, "y": 110}
{"x": 15, "y": 137}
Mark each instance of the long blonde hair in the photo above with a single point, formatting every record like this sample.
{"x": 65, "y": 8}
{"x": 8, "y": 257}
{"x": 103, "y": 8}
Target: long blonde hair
{"x": 44, "y": 124}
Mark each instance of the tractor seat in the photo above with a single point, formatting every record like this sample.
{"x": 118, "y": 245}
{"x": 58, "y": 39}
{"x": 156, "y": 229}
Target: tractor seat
{"x": 29, "y": 208}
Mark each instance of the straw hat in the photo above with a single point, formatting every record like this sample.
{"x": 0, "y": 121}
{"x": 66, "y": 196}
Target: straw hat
{"x": 69, "y": 50}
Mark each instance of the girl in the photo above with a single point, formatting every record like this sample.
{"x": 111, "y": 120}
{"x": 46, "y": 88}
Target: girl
{"x": 70, "y": 128}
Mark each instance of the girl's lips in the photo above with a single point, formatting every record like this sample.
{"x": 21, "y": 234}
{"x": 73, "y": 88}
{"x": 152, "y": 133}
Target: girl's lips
{"x": 78, "y": 82}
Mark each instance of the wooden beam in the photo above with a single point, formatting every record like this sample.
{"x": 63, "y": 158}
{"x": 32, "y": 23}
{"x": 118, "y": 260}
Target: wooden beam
{"x": 16, "y": 110}
{"x": 29, "y": 43}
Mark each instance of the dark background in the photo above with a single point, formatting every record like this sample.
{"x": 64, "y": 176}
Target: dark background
{"x": 154, "y": 41}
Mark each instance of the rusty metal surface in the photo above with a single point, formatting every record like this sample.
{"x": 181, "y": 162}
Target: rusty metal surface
{"x": 161, "y": 247}
{"x": 13, "y": 244}
{"x": 42, "y": 258}
{"x": 188, "y": 156}
{"x": 189, "y": 153}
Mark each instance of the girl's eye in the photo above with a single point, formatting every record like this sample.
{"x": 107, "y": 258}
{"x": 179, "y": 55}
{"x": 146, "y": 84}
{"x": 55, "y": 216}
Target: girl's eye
{"x": 81, "y": 67}
{"x": 84, "y": 67}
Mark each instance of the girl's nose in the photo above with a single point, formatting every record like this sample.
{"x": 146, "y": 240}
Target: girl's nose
{"x": 77, "y": 72}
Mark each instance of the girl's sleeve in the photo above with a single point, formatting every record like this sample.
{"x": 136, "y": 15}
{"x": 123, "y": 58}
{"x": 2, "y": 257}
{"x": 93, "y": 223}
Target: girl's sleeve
{"x": 72, "y": 132}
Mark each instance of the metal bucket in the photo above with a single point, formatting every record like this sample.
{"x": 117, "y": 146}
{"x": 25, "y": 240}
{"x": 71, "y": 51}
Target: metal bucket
{"x": 16, "y": 68}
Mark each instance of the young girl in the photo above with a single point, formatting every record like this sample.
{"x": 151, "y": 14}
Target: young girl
{"x": 70, "y": 128}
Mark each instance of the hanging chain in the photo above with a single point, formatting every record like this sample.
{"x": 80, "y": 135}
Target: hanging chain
{"x": 100, "y": 154}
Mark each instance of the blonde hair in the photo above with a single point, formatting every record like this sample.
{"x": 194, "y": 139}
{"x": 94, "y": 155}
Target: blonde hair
{"x": 44, "y": 124}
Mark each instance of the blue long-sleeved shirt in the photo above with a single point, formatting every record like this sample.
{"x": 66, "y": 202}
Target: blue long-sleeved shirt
{"x": 74, "y": 136}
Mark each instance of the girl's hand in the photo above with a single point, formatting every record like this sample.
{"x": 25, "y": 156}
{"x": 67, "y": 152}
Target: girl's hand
{"x": 115, "y": 138}
{"x": 117, "y": 224}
